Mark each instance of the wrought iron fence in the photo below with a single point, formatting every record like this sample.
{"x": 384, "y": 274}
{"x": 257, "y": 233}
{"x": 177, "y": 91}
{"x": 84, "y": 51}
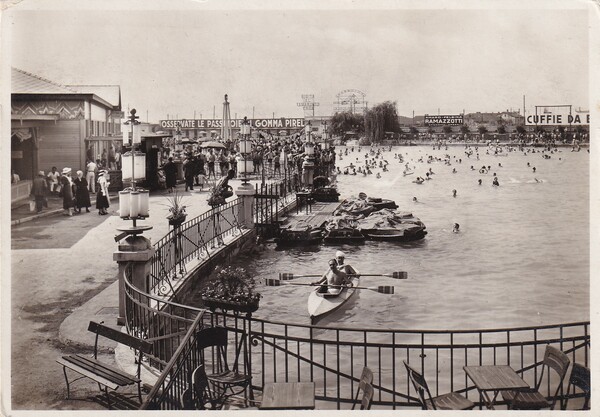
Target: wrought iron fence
{"x": 192, "y": 239}
{"x": 167, "y": 392}
{"x": 333, "y": 357}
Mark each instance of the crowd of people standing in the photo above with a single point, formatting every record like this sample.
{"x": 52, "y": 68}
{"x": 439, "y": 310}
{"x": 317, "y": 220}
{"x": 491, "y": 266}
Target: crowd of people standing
{"x": 74, "y": 190}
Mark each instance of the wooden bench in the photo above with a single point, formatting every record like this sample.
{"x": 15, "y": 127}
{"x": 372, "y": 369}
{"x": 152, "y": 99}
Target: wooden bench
{"x": 106, "y": 376}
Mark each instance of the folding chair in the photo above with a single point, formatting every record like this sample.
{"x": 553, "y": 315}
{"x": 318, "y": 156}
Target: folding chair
{"x": 366, "y": 379}
{"x": 450, "y": 401}
{"x": 580, "y": 378}
{"x": 225, "y": 381}
{"x": 532, "y": 399}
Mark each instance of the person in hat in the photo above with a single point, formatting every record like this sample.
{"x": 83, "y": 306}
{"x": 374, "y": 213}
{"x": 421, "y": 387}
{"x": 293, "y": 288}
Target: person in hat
{"x": 102, "y": 195}
{"x": 67, "y": 191}
{"x": 39, "y": 189}
{"x": 82, "y": 195}
{"x": 340, "y": 257}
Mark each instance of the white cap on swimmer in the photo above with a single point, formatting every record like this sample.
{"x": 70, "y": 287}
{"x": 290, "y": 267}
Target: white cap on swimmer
{"x": 340, "y": 254}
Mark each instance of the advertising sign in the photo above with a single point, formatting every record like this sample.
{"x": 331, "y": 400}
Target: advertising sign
{"x": 444, "y": 120}
{"x": 560, "y": 119}
{"x": 187, "y": 124}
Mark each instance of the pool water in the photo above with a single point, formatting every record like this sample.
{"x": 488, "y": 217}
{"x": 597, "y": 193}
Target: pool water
{"x": 521, "y": 257}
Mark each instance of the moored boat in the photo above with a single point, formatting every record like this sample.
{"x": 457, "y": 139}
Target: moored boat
{"x": 299, "y": 236}
{"x": 400, "y": 233}
{"x": 346, "y": 235}
{"x": 319, "y": 305}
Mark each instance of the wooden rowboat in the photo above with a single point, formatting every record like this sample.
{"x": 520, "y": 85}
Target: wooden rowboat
{"x": 319, "y": 305}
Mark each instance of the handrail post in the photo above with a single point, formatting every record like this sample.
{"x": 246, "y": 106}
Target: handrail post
{"x": 136, "y": 252}
{"x": 246, "y": 194}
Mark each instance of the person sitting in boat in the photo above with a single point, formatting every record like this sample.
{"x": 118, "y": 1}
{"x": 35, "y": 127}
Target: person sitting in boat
{"x": 332, "y": 280}
{"x": 340, "y": 257}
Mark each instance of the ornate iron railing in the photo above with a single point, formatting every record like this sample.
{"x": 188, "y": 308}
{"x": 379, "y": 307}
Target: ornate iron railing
{"x": 192, "y": 239}
{"x": 333, "y": 357}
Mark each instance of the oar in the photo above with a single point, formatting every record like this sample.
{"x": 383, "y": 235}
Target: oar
{"x": 383, "y": 289}
{"x": 285, "y": 276}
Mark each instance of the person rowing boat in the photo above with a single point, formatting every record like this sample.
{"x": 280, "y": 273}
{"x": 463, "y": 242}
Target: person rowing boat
{"x": 332, "y": 280}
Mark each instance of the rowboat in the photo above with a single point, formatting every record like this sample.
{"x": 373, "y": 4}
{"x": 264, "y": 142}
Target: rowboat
{"x": 319, "y": 305}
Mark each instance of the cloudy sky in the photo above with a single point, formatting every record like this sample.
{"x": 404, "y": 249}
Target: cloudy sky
{"x": 176, "y": 58}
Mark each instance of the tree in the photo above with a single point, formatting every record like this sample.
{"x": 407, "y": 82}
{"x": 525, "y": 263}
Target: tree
{"x": 380, "y": 119}
{"x": 482, "y": 129}
{"x": 345, "y": 121}
{"x": 521, "y": 129}
{"x": 447, "y": 129}
{"x": 465, "y": 129}
{"x": 501, "y": 129}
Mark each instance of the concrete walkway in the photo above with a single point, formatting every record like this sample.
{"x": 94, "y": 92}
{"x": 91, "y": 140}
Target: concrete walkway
{"x": 63, "y": 276}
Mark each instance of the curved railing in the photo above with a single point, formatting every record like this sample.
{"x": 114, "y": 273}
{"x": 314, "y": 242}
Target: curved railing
{"x": 195, "y": 238}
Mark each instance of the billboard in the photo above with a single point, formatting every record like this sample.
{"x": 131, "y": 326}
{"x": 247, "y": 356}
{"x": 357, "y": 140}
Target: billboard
{"x": 187, "y": 124}
{"x": 444, "y": 120}
{"x": 558, "y": 119}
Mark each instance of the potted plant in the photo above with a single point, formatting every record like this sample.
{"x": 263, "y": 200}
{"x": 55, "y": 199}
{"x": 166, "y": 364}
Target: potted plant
{"x": 177, "y": 209}
{"x": 233, "y": 289}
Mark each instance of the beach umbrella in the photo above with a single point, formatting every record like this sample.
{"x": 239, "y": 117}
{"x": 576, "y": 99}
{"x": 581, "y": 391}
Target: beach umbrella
{"x": 212, "y": 144}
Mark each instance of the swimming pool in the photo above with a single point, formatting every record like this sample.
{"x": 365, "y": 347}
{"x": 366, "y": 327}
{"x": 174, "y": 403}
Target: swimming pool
{"x": 521, "y": 257}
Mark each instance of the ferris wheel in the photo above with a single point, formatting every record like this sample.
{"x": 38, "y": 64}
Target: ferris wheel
{"x": 351, "y": 100}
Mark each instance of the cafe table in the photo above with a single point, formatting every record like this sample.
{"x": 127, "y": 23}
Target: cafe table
{"x": 288, "y": 396}
{"x": 493, "y": 379}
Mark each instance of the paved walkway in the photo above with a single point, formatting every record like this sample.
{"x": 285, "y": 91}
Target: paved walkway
{"x": 63, "y": 276}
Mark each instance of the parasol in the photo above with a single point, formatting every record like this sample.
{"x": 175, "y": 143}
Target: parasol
{"x": 212, "y": 144}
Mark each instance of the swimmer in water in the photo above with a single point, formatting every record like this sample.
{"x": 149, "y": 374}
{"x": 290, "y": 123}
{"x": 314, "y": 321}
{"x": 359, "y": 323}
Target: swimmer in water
{"x": 454, "y": 170}
{"x": 456, "y": 228}
{"x": 454, "y": 193}
{"x": 479, "y": 181}
{"x": 415, "y": 200}
{"x": 533, "y": 169}
{"x": 495, "y": 182}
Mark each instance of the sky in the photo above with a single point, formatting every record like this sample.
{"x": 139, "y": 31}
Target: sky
{"x": 178, "y": 59}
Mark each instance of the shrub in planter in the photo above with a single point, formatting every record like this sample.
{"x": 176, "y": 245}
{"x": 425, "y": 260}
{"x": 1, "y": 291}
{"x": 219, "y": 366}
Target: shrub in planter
{"x": 233, "y": 289}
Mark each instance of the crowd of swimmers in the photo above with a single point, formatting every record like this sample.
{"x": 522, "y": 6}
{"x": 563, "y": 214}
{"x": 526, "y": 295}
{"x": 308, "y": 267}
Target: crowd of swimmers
{"x": 376, "y": 162}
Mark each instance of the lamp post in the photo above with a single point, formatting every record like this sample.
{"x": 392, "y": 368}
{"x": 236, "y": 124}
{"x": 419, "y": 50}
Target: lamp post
{"x": 308, "y": 166}
{"x": 245, "y": 147}
{"x": 133, "y": 202}
{"x": 135, "y": 253}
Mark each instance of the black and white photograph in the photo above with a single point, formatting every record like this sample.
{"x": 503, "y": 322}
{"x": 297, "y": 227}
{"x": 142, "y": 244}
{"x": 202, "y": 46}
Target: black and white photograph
{"x": 309, "y": 207}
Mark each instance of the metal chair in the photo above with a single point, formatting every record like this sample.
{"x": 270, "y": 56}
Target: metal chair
{"x": 365, "y": 402}
{"x": 450, "y": 401}
{"x": 532, "y": 399}
{"x": 580, "y": 378}
{"x": 364, "y": 386}
{"x": 197, "y": 396}
{"x": 225, "y": 381}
